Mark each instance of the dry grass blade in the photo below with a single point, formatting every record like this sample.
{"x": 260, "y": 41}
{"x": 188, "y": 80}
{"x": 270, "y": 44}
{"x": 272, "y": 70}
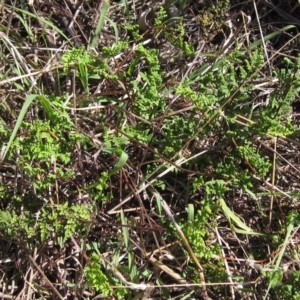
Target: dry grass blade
{"x": 262, "y": 39}
{"x": 186, "y": 244}
{"x": 273, "y": 180}
{"x": 159, "y": 138}
{"x": 168, "y": 270}
{"x": 19, "y": 60}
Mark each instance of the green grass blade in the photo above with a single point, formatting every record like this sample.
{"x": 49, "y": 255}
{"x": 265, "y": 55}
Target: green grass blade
{"x": 126, "y": 7}
{"x": 233, "y": 219}
{"x": 45, "y": 21}
{"x": 158, "y": 202}
{"x": 280, "y": 255}
{"x": 131, "y": 264}
{"x": 191, "y": 212}
{"x": 114, "y": 26}
{"x": 47, "y": 106}
{"x": 125, "y": 230}
{"x": 99, "y": 27}
{"x": 84, "y": 77}
{"x": 27, "y": 28}
{"x": 120, "y": 164}
{"x": 270, "y": 36}
{"x": 23, "y": 111}
{"x": 285, "y": 243}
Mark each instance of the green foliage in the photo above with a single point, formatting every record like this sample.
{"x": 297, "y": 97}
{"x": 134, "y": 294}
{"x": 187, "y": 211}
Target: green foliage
{"x": 215, "y": 188}
{"x": 89, "y": 66}
{"x": 285, "y": 288}
{"x": 116, "y": 49}
{"x": 63, "y": 221}
{"x": 44, "y": 156}
{"x": 100, "y": 280}
{"x": 95, "y": 277}
{"x": 176, "y": 35}
{"x": 17, "y": 226}
{"x": 134, "y": 30}
{"x": 60, "y": 220}
{"x": 176, "y": 132}
{"x": 197, "y": 229}
{"x": 98, "y": 191}
{"x": 218, "y": 94}
{"x": 214, "y": 12}
{"x": 148, "y": 87}
{"x": 43, "y": 145}
{"x": 221, "y": 96}
{"x": 260, "y": 164}
{"x": 197, "y": 232}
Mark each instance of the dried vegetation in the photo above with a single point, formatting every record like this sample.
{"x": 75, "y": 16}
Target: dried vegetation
{"x": 155, "y": 160}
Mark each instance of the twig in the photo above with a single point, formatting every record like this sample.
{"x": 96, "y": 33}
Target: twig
{"x": 46, "y": 279}
{"x": 262, "y": 39}
{"x": 31, "y": 276}
{"x": 273, "y": 181}
{"x": 5, "y": 296}
{"x": 229, "y": 273}
{"x": 167, "y": 270}
{"x": 187, "y": 245}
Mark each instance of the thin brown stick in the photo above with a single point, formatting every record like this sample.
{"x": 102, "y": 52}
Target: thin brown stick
{"x": 188, "y": 247}
{"x": 46, "y": 279}
{"x": 273, "y": 180}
